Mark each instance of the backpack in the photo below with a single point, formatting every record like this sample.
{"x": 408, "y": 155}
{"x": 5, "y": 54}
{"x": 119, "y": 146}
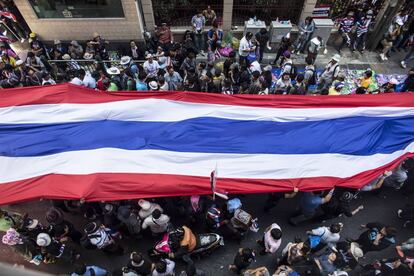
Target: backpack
{"x": 315, "y": 240}
{"x": 293, "y": 70}
{"x": 313, "y": 79}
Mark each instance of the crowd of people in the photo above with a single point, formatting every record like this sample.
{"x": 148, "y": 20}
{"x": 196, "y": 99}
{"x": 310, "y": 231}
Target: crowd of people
{"x": 205, "y": 62}
{"x": 320, "y": 251}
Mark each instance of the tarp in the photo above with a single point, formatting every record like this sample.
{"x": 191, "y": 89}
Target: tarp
{"x": 69, "y": 142}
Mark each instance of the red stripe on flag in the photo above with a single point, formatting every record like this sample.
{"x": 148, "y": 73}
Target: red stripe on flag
{"x": 68, "y": 93}
{"x": 122, "y": 186}
{"x": 9, "y": 15}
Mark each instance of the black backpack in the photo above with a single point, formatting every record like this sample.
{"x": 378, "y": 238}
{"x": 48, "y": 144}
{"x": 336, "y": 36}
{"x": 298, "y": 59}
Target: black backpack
{"x": 293, "y": 70}
{"x": 313, "y": 79}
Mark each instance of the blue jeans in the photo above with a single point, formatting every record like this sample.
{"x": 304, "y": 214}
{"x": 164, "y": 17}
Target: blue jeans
{"x": 199, "y": 41}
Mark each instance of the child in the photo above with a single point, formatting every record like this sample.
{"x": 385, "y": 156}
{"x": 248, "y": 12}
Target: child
{"x": 366, "y": 80}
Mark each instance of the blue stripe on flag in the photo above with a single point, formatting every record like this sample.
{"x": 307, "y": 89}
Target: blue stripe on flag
{"x": 355, "y": 136}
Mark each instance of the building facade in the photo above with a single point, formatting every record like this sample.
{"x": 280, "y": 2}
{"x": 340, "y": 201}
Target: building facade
{"x": 122, "y": 20}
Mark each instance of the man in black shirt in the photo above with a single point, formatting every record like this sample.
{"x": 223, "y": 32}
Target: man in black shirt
{"x": 140, "y": 264}
{"x": 262, "y": 39}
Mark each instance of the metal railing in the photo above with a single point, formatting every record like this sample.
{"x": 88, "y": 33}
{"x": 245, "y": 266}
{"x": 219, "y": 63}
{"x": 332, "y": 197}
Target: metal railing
{"x": 91, "y": 65}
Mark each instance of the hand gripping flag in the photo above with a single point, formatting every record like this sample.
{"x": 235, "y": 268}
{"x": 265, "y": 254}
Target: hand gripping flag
{"x": 70, "y": 142}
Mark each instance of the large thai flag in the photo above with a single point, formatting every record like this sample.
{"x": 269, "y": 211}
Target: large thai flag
{"x": 70, "y": 142}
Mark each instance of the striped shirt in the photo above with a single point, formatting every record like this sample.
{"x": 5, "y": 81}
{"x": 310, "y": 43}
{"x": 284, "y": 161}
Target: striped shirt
{"x": 346, "y": 25}
{"x": 362, "y": 27}
{"x": 100, "y": 238}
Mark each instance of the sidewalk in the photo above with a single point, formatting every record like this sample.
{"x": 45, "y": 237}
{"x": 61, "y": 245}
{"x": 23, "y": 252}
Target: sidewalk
{"x": 352, "y": 61}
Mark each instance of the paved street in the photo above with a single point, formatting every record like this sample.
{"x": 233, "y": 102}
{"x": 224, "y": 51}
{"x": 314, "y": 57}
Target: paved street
{"x": 377, "y": 208}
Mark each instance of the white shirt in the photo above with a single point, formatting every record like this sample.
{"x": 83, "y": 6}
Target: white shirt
{"x": 151, "y": 68}
{"x": 88, "y": 81}
{"x": 244, "y": 45}
{"x": 255, "y": 66}
{"x": 270, "y": 243}
{"x": 397, "y": 179}
{"x": 331, "y": 71}
{"x": 327, "y": 236}
{"x": 76, "y": 81}
{"x": 168, "y": 272}
{"x": 157, "y": 226}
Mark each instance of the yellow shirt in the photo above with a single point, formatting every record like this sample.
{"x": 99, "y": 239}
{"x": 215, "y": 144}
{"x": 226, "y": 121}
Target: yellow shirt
{"x": 333, "y": 92}
{"x": 11, "y": 61}
{"x": 366, "y": 82}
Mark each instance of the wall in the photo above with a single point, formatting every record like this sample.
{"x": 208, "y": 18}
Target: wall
{"x": 112, "y": 29}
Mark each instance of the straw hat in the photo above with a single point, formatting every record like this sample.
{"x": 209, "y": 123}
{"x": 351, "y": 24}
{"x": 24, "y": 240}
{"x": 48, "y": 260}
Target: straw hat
{"x": 125, "y": 60}
{"x": 66, "y": 57}
{"x": 31, "y": 223}
{"x": 88, "y": 56}
{"x": 113, "y": 71}
{"x": 57, "y": 41}
{"x": 153, "y": 85}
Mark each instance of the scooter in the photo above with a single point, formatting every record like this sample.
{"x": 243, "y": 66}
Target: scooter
{"x": 206, "y": 244}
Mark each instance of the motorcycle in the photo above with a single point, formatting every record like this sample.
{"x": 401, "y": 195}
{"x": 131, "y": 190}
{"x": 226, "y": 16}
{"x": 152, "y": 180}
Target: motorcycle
{"x": 236, "y": 227}
{"x": 205, "y": 245}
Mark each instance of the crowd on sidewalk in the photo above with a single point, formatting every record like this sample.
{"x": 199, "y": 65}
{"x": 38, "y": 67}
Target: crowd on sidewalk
{"x": 320, "y": 251}
{"x": 209, "y": 61}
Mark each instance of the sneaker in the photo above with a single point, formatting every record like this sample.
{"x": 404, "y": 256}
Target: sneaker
{"x": 403, "y": 65}
{"x": 399, "y": 212}
{"x": 382, "y": 56}
{"x": 385, "y": 58}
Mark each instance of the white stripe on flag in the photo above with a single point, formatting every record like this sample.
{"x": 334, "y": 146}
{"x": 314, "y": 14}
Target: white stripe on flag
{"x": 248, "y": 166}
{"x": 170, "y": 111}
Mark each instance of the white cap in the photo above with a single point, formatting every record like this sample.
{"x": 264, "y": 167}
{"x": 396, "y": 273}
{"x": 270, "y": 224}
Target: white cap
{"x": 43, "y": 239}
